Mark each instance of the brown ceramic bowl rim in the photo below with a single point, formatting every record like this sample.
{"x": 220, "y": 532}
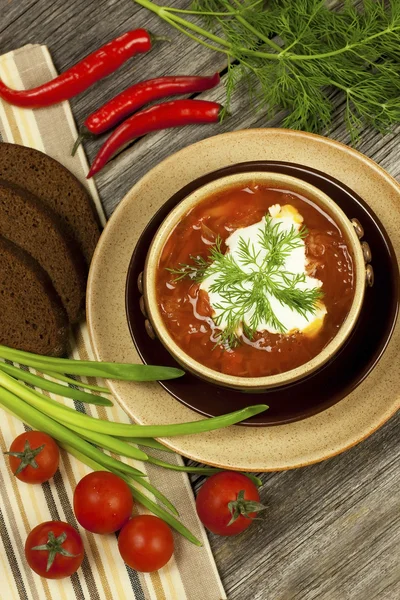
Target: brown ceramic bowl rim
{"x": 165, "y": 230}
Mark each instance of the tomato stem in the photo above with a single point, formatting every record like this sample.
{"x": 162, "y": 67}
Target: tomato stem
{"x": 244, "y": 508}
{"x": 54, "y": 547}
{"x": 27, "y": 457}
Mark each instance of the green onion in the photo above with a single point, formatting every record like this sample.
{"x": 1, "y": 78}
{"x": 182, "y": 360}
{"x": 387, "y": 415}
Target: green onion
{"x": 156, "y": 493}
{"x": 196, "y": 470}
{"x": 110, "y": 443}
{"x": 55, "y": 388}
{"x": 127, "y": 430}
{"x": 34, "y": 418}
{"x": 256, "y": 480}
{"x": 69, "y": 416}
{"x": 163, "y": 514}
{"x": 121, "y": 371}
{"x": 75, "y": 394}
{"x": 148, "y": 443}
{"x": 76, "y": 382}
{"x": 142, "y": 498}
{"x": 183, "y": 468}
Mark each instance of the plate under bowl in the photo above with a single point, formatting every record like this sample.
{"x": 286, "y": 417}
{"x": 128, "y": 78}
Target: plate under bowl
{"x": 288, "y": 446}
{"x": 335, "y": 379}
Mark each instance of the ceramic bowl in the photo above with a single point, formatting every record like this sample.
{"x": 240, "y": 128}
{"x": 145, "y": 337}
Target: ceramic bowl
{"x": 352, "y": 231}
{"x": 325, "y": 387}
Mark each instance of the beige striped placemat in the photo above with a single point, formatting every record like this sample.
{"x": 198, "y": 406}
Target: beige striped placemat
{"x": 191, "y": 574}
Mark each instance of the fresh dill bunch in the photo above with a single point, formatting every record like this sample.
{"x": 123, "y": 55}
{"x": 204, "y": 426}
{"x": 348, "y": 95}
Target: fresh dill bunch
{"x": 245, "y": 292}
{"x": 317, "y": 48}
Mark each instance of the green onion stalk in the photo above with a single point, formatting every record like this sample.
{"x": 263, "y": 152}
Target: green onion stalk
{"x": 55, "y": 388}
{"x": 120, "y": 371}
{"x": 86, "y": 437}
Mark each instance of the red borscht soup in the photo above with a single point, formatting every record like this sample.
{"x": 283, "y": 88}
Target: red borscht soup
{"x": 255, "y": 281}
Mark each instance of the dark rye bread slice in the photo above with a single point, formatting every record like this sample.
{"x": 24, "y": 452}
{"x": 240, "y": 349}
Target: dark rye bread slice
{"x": 38, "y": 230}
{"x": 56, "y": 187}
{"x": 32, "y": 317}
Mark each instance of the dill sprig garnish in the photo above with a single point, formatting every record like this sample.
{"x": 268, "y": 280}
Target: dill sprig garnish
{"x": 247, "y": 282}
{"x": 199, "y": 266}
{"x": 320, "y": 46}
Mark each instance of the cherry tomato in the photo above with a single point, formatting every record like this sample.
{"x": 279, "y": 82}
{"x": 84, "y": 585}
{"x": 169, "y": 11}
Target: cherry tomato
{"x": 227, "y": 503}
{"x": 34, "y": 457}
{"x": 54, "y": 550}
{"x": 102, "y": 502}
{"x": 146, "y": 543}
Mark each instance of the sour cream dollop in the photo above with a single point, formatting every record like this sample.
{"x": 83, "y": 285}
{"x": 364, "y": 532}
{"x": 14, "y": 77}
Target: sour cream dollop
{"x": 286, "y": 217}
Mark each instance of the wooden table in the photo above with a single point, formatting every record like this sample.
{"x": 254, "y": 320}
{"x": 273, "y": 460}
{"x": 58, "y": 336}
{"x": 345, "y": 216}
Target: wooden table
{"x": 331, "y": 530}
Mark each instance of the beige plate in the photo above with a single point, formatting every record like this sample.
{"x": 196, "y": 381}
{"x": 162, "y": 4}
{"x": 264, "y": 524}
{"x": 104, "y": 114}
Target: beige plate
{"x": 243, "y": 448}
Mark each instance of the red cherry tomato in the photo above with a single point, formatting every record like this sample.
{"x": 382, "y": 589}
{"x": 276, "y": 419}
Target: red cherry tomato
{"x": 102, "y": 502}
{"x": 54, "y": 550}
{"x": 227, "y": 503}
{"x": 34, "y": 457}
{"x": 146, "y": 543}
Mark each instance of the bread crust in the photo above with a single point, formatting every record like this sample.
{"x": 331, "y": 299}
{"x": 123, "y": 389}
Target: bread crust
{"x": 32, "y": 317}
{"x": 37, "y": 229}
{"x": 57, "y": 188}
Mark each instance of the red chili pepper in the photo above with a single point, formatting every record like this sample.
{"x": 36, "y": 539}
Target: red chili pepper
{"x": 136, "y": 96}
{"x": 161, "y": 116}
{"x": 78, "y": 78}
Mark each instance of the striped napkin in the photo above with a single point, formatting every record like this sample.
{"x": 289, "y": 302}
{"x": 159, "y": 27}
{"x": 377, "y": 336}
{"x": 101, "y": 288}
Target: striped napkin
{"x": 191, "y": 574}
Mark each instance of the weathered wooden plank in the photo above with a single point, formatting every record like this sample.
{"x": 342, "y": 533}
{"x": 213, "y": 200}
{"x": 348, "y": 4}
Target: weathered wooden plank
{"x": 12, "y": 12}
